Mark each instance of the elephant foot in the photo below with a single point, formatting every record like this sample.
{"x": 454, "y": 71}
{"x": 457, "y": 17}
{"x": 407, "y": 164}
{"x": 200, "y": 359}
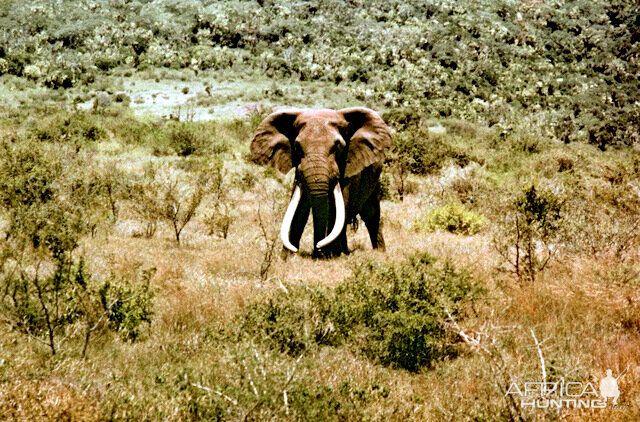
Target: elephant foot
{"x": 326, "y": 253}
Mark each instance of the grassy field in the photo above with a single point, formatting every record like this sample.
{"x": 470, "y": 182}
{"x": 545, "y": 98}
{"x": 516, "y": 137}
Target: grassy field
{"x": 141, "y": 274}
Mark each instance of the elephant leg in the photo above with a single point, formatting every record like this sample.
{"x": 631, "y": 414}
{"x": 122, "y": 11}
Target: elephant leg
{"x": 299, "y": 221}
{"x": 370, "y": 214}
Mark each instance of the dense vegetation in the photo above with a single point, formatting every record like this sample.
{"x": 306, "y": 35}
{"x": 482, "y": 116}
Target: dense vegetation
{"x": 569, "y": 67}
{"x": 141, "y": 276}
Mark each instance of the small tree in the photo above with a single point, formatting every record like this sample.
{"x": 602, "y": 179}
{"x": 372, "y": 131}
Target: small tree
{"x": 180, "y": 204}
{"x": 51, "y": 201}
{"x": 219, "y": 220}
{"x": 165, "y": 195}
{"x": 528, "y": 231}
{"x": 416, "y": 151}
{"x": 47, "y": 305}
{"x": 268, "y": 219}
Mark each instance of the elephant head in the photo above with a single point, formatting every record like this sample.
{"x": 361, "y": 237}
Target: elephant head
{"x": 326, "y": 147}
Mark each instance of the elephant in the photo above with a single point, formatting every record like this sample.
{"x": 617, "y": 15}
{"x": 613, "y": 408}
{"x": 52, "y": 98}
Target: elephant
{"x": 333, "y": 151}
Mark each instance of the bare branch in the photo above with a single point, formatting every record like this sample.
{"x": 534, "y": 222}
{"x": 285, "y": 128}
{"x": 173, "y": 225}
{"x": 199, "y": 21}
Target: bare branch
{"x": 543, "y": 368}
{"x": 216, "y": 392}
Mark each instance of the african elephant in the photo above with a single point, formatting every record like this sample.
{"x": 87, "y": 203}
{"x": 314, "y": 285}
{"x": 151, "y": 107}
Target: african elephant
{"x": 339, "y": 152}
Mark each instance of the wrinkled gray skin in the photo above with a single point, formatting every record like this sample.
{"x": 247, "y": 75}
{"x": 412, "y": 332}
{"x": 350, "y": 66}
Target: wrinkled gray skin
{"x": 328, "y": 147}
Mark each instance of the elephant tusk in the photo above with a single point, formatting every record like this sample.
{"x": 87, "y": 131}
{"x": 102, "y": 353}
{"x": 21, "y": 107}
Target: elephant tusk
{"x": 288, "y": 218}
{"x": 339, "y": 224}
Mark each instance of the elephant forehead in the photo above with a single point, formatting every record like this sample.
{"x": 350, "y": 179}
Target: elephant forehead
{"x": 320, "y": 118}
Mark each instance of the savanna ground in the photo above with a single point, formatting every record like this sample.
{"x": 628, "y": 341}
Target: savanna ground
{"x": 142, "y": 276}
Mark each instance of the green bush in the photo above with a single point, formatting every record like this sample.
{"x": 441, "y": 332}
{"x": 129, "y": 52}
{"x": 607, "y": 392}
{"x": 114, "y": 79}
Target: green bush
{"x": 128, "y": 304}
{"x": 529, "y": 230}
{"x": 184, "y": 139}
{"x": 454, "y": 218}
{"x": 52, "y": 197}
{"x": 31, "y": 191}
{"x": 422, "y": 153}
{"x": 395, "y": 314}
{"x": 292, "y": 322}
{"x": 402, "y": 118}
{"x": 77, "y": 128}
{"x": 45, "y": 305}
{"x": 123, "y": 98}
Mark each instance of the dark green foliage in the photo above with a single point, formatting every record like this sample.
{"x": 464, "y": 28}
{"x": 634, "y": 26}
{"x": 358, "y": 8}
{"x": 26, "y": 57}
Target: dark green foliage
{"x": 393, "y": 313}
{"x": 292, "y": 322}
{"x": 341, "y": 403}
{"x": 542, "y": 209}
{"x": 52, "y": 196}
{"x": 78, "y": 128}
{"x": 128, "y": 304}
{"x": 30, "y": 194}
{"x": 419, "y": 152}
{"x": 45, "y": 305}
{"x": 398, "y": 312}
{"x": 402, "y": 118}
{"x": 183, "y": 139}
{"x": 123, "y": 98}
{"x": 486, "y": 61}
{"x": 26, "y": 175}
{"x": 529, "y": 230}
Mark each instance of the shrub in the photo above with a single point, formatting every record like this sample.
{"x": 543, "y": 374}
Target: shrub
{"x": 46, "y": 306}
{"x": 146, "y": 205}
{"x": 163, "y": 194}
{"x": 528, "y": 230}
{"x": 421, "y": 153}
{"x": 123, "y": 98}
{"x": 179, "y": 203}
{"x": 46, "y": 196}
{"x": 128, "y": 304}
{"x": 219, "y": 220}
{"x": 77, "y": 128}
{"x": 51, "y": 201}
{"x": 454, "y": 218}
{"x": 402, "y": 118}
{"x": 393, "y": 313}
{"x": 184, "y": 139}
{"x": 222, "y": 215}
{"x": 396, "y": 313}
{"x": 188, "y": 138}
{"x": 43, "y": 306}
{"x": 293, "y": 322}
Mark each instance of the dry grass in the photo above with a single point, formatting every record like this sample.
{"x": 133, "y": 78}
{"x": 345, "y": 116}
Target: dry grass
{"x": 186, "y": 367}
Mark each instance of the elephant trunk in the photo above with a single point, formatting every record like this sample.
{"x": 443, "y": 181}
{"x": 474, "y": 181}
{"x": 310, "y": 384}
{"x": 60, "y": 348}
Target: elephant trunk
{"x": 318, "y": 180}
{"x": 338, "y": 225}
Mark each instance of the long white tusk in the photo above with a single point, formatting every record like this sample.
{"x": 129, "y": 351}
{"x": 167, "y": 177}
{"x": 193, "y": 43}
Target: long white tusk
{"x": 339, "y": 224}
{"x": 288, "y": 218}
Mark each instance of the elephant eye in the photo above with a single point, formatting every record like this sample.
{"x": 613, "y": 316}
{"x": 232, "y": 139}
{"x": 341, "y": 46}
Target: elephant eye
{"x": 338, "y": 145}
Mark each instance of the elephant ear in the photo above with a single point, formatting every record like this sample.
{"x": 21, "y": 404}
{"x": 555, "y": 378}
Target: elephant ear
{"x": 271, "y": 144}
{"x": 368, "y": 137}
